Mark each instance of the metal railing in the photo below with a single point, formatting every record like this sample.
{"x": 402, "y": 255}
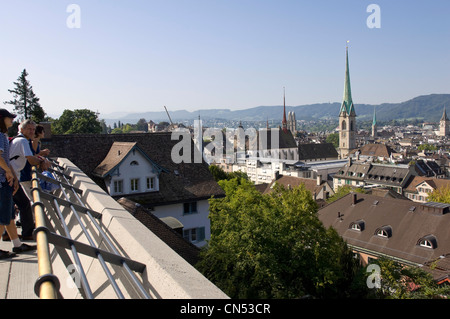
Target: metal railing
{"x": 47, "y": 285}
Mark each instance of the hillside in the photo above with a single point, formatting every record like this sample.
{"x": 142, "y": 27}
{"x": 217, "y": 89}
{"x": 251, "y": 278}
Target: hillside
{"x": 426, "y": 107}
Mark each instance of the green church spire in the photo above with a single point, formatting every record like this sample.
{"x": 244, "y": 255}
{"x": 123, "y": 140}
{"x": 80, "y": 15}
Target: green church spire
{"x": 347, "y": 104}
{"x": 374, "y": 117}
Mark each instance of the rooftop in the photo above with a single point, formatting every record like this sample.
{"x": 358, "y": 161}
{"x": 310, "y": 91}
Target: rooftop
{"x": 410, "y": 223}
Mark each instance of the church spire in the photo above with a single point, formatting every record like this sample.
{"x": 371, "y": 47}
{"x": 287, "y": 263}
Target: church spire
{"x": 284, "y": 112}
{"x": 444, "y": 115}
{"x": 374, "y": 122}
{"x": 347, "y": 103}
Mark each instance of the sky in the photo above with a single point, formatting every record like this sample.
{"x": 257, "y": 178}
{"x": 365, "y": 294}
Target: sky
{"x": 141, "y": 55}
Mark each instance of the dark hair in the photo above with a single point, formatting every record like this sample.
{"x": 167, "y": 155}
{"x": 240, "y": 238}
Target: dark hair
{"x": 3, "y": 127}
{"x": 39, "y": 130}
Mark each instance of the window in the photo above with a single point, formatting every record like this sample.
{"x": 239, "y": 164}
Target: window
{"x": 150, "y": 183}
{"x": 189, "y": 208}
{"x": 135, "y": 184}
{"x": 428, "y": 241}
{"x": 118, "y": 187}
{"x": 382, "y": 233}
{"x": 194, "y": 235}
{"x": 385, "y": 232}
{"x": 134, "y": 163}
{"x": 359, "y": 225}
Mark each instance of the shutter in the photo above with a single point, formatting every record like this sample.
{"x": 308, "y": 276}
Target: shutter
{"x": 201, "y": 234}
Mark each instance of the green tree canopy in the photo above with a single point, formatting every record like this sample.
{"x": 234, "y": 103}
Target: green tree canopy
{"x": 407, "y": 282}
{"x": 25, "y": 102}
{"x": 440, "y": 195}
{"x": 333, "y": 138}
{"x": 427, "y": 147}
{"x": 274, "y": 246}
{"x": 344, "y": 190}
{"x": 82, "y": 121}
{"x": 219, "y": 174}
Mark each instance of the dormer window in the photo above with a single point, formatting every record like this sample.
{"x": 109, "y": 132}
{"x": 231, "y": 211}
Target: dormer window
{"x": 384, "y": 232}
{"x": 359, "y": 225}
{"x": 428, "y": 241}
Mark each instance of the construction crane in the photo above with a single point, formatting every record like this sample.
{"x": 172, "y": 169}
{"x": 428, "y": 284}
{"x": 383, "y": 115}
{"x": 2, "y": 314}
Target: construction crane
{"x": 171, "y": 123}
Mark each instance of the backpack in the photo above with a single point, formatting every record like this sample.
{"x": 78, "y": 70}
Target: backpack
{"x": 10, "y": 141}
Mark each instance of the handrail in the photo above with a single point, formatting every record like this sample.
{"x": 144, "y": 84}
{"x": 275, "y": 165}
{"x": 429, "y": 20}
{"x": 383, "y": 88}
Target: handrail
{"x": 47, "y": 285}
{"x": 104, "y": 236}
{"x": 46, "y": 236}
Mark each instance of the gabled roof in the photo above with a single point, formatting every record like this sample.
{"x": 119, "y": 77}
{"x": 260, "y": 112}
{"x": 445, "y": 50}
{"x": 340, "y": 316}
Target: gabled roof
{"x": 373, "y": 149}
{"x": 435, "y": 183}
{"x": 117, "y": 153}
{"x": 178, "y": 182}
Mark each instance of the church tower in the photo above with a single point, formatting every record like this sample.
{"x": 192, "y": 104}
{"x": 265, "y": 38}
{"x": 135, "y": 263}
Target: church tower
{"x": 292, "y": 123}
{"x": 444, "y": 125}
{"x": 347, "y": 117}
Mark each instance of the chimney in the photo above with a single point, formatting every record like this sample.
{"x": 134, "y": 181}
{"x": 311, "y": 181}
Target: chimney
{"x": 319, "y": 180}
{"x": 354, "y": 198}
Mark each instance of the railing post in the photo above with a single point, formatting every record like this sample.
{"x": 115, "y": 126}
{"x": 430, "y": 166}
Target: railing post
{"x": 47, "y": 285}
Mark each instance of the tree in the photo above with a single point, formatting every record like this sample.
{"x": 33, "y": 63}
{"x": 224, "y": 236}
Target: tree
{"x": 274, "y": 246}
{"x": 427, "y": 147}
{"x": 142, "y": 125}
{"x": 219, "y": 174}
{"x": 344, "y": 190}
{"x": 82, "y": 121}
{"x": 25, "y": 102}
{"x": 441, "y": 195}
{"x": 334, "y": 139}
{"x": 407, "y": 282}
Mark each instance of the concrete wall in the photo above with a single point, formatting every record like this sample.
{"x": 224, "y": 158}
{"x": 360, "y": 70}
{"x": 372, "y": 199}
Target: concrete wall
{"x": 166, "y": 276}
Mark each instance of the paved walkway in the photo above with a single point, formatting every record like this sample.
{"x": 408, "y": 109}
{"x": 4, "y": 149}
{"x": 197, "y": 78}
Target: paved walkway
{"x": 18, "y": 274}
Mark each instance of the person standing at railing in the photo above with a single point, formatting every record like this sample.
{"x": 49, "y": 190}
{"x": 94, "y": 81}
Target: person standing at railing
{"x": 20, "y": 154}
{"x": 35, "y": 146}
{"x": 9, "y": 186}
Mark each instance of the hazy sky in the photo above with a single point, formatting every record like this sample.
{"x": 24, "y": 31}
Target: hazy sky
{"x": 137, "y": 56}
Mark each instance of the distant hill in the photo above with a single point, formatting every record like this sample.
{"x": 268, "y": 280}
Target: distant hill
{"x": 426, "y": 107}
